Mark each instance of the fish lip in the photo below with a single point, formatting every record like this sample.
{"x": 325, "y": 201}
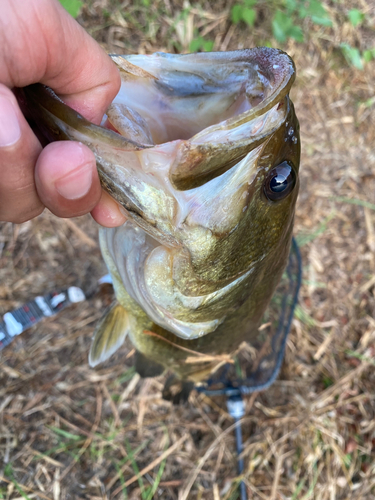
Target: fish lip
{"x": 277, "y": 94}
{"x": 202, "y": 153}
{"x": 41, "y": 99}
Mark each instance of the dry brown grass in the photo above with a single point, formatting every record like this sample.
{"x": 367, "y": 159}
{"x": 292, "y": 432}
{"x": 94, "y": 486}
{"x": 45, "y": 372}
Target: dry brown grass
{"x": 69, "y": 432}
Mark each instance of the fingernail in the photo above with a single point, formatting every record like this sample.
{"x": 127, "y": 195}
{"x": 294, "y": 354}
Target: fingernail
{"x": 76, "y": 184}
{"x": 10, "y": 130}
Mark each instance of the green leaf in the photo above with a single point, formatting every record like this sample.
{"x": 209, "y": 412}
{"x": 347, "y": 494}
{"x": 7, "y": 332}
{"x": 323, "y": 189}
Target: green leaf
{"x": 355, "y": 17}
{"x": 281, "y": 24}
{"x": 72, "y": 6}
{"x": 324, "y": 21}
{"x": 195, "y": 45}
{"x": 352, "y": 55}
{"x": 316, "y": 11}
{"x": 315, "y": 8}
{"x": 303, "y": 11}
{"x": 236, "y": 13}
{"x": 284, "y": 19}
{"x": 291, "y": 5}
{"x": 249, "y": 15}
{"x": 208, "y": 45}
{"x": 283, "y": 28}
{"x": 250, "y": 3}
{"x": 296, "y": 33}
{"x": 200, "y": 43}
{"x": 368, "y": 55}
{"x": 278, "y": 31}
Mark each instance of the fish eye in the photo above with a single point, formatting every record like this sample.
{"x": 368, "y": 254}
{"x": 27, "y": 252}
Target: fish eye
{"x": 280, "y": 181}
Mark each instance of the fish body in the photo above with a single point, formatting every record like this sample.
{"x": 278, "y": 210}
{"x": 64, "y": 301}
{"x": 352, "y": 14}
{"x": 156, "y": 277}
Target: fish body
{"x": 202, "y": 151}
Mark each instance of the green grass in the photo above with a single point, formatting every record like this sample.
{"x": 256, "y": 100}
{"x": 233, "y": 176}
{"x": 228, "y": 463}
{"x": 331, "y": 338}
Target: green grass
{"x": 299, "y": 488}
{"x": 147, "y": 491}
{"x": 126, "y": 376}
{"x": 122, "y": 480}
{"x": 357, "y": 355}
{"x": 304, "y": 317}
{"x": 157, "y": 480}
{"x": 303, "y": 239}
{"x": 8, "y": 472}
{"x": 354, "y": 201}
{"x": 310, "y": 492}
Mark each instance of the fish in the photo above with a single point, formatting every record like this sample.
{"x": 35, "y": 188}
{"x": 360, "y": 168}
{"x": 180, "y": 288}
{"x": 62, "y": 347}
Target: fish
{"x": 202, "y": 153}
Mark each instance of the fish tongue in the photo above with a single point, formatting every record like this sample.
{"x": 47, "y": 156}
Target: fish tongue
{"x": 129, "y": 123}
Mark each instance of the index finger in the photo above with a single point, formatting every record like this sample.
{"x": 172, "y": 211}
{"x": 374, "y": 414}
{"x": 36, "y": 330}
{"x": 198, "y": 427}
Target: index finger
{"x": 45, "y": 44}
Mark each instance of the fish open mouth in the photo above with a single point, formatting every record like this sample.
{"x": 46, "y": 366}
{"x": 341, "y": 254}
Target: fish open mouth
{"x": 217, "y": 106}
{"x": 182, "y": 95}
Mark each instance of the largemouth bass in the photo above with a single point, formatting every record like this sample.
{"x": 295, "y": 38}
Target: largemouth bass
{"x": 202, "y": 151}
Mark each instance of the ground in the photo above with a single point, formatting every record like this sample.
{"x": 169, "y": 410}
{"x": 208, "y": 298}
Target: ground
{"x": 71, "y": 432}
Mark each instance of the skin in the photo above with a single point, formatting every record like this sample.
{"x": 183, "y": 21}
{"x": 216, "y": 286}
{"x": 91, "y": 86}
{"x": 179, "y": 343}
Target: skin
{"x": 40, "y": 42}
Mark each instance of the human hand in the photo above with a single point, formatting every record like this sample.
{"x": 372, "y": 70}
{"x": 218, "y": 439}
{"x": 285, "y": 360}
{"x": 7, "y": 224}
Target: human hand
{"x": 40, "y": 42}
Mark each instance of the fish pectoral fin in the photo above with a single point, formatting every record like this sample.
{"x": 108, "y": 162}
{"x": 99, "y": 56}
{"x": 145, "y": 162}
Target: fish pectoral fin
{"x": 147, "y": 367}
{"x": 109, "y": 334}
